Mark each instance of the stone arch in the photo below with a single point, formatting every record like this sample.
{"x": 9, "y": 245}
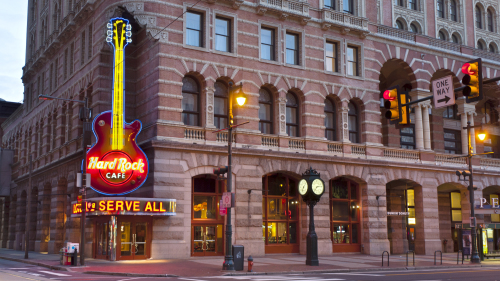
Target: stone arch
{"x": 21, "y": 220}
{"x": 33, "y": 218}
{"x": 445, "y": 32}
{"x": 403, "y": 23}
{"x": 417, "y": 24}
{"x": 396, "y": 72}
{"x": 12, "y": 222}
{"x": 481, "y": 42}
{"x": 458, "y": 36}
{"x": 43, "y": 228}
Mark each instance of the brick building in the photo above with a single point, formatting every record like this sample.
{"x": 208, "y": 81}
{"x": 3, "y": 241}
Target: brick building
{"x": 314, "y": 72}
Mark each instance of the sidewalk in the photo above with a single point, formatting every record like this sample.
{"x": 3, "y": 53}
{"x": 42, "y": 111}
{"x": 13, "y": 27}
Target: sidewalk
{"x": 269, "y": 264}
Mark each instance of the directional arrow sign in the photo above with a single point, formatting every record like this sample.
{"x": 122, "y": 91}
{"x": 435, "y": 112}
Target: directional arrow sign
{"x": 443, "y": 91}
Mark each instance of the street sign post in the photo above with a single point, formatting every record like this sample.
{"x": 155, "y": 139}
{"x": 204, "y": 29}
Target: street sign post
{"x": 443, "y": 91}
{"x": 226, "y": 200}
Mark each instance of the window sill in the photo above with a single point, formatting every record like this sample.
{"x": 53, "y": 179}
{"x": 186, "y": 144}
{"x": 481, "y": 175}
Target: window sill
{"x": 270, "y": 61}
{"x": 294, "y": 66}
{"x": 203, "y": 49}
{"x": 333, "y": 73}
{"x": 229, "y": 54}
{"x": 355, "y": 77}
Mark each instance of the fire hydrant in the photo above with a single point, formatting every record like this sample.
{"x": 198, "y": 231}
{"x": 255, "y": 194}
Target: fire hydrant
{"x": 250, "y": 264}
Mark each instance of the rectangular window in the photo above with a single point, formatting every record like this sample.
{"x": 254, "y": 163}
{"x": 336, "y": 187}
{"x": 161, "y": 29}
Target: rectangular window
{"x": 349, "y": 6}
{"x": 408, "y": 137}
{"x": 331, "y": 57}
{"x": 51, "y": 73}
{"x": 71, "y": 58}
{"x": 413, "y": 4}
{"x": 222, "y": 35}
{"x": 65, "y": 73}
{"x": 452, "y": 142}
{"x": 90, "y": 42}
{"x": 267, "y": 44}
{"x": 292, "y": 49}
{"x": 82, "y": 49}
{"x": 450, "y": 112}
{"x": 56, "y": 72}
{"x": 330, "y": 4}
{"x": 194, "y": 29}
{"x": 352, "y": 61}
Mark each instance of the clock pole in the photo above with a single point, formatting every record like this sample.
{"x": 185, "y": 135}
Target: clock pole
{"x": 311, "y": 187}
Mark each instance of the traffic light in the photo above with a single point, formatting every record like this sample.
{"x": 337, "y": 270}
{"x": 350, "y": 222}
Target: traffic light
{"x": 221, "y": 170}
{"x": 395, "y": 103}
{"x": 473, "y": 80}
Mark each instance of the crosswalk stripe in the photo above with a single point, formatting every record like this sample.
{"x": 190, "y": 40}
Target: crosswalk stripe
{"x": 53, "y": 273}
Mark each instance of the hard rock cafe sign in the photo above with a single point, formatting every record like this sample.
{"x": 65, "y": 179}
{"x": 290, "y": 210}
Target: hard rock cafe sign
{"x": 116, "y": 164}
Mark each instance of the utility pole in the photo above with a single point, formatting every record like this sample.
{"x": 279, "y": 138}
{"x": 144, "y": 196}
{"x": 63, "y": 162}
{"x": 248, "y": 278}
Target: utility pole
{"x": 28, "y": 211}
{"x": 85, "y": 142}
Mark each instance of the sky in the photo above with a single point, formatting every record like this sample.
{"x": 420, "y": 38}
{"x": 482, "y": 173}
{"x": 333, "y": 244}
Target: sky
{"x": 13, "y": 18}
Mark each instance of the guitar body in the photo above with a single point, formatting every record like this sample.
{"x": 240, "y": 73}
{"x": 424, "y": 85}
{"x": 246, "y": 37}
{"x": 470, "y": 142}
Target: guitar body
{"x": 116, "y": 172}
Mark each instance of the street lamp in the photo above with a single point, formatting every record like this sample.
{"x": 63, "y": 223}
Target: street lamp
{"x": 85, "y": 116}
{"x": 240, "y": 99}
{"x": 481, "y": 135}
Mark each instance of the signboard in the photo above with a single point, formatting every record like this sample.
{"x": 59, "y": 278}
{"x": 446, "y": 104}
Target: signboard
{"x": 116, "y": 164}
{"x": 398, "y": 213}
{"x": 125, "y": 206}
{"x": 443, "y": 91}
{"x": 226, "y": 200}
{"x": 466, "y": 242}
{"x": 222, "y": 210}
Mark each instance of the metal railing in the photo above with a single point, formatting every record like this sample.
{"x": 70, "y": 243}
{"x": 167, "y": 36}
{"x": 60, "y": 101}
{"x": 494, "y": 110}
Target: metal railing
{"x": 435, "y": 257}
{"x": 407, "y": 252}
{"x": 383, "y": 258}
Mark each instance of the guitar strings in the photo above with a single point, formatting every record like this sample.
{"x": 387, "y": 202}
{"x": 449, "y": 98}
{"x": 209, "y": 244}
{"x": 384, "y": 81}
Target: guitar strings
{"x": 148, "y": 39}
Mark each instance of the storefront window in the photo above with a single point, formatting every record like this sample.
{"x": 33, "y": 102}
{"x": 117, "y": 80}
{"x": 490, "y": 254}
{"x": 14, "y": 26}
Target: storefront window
{"x": 345, "y": 210}
{"x": 410, "y": 198}
{"x": 280, "y": 206}
{"x": 456, "y": 206}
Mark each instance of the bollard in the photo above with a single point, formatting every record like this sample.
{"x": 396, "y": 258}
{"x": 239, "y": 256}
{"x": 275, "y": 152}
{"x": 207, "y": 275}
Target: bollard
{"x": 250, "y": 264}
{"x": 383, "y": 258}
{"x": 74, "y": 261}
{"x": 435, "y": 257}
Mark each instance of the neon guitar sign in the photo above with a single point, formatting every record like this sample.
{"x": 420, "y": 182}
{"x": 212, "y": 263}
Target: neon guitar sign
{"x": 116, "y": 164}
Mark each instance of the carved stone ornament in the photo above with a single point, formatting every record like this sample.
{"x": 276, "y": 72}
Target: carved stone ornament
{"x": 261, "y": 11}
{"x": 325, "y": 26}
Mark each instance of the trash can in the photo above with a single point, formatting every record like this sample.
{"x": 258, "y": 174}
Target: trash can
{"x": 238, "y": 257}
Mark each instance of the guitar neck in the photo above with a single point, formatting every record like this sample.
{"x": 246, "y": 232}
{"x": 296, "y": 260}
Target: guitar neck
{"x": 118, "y": 140}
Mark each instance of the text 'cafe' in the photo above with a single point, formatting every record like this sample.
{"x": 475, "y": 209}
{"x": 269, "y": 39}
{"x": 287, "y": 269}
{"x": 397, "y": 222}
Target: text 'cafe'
{"x": 115, "y": 165}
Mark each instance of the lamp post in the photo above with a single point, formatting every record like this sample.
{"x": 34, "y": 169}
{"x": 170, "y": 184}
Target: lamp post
{"x": 240, "y": 99}
{"x": 474, "y": 255}
{"x": 85, "y": 116}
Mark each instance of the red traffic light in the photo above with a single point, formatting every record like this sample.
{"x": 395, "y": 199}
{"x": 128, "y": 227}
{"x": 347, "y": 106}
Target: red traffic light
{"x": 469, "y": 68}
{"x": 390, "y": 94}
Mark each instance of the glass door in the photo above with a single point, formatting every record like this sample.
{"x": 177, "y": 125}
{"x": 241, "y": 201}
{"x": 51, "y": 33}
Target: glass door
{"x": 102, "y": 246}
{"x": 207, "y": 240}
{"x": 135, "y": 239}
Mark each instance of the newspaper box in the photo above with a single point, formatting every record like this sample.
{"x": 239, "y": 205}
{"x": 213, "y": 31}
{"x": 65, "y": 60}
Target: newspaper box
{"x": 72, "y": 247}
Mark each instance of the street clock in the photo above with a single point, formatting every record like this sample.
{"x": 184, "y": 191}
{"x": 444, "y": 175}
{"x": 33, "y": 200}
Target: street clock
{"x": 311, "y": 186}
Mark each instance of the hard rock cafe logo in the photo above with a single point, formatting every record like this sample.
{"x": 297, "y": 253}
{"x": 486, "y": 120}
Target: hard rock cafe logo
{"x": 117, "y": 168}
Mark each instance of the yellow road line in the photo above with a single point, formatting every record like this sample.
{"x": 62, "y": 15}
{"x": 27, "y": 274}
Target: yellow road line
{"x": 434, "y": 272}
{"x": 19, "y": 276}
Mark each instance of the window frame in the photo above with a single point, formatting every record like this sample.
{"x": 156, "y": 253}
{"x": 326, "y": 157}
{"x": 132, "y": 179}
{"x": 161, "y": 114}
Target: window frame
{"x": 440, "y": 9}
{"x": 444, "y": 38}
{"x": 204, "y": 23}
{"x": 357, "y": 132}
{"x": 335, "y": 59}
{"x": 457, "y": 140}
{"x": 401, "y": 134}
{"x": 454, "y": 112}
{"x": 332, "y": 6}
{"x": 490, "y": 21}
{"x": 271, "y": 107}
{"x": 478, "y": 23}
{"x": 400, "y": 25}
{"x": 297, "y": 116}
{"x": 350, "y": 185}
{"x": 334, "y": 115}
{"x": 272, "y": 45}
{"x": 233, "y": 34}
{"x": 296, "y": 50}
{"x": 453, "y": 10}
{"x": 412, "y": 4}
{"x": 227, "y": 37}
{"x": 359, "y": 57}
{"x": 226, "y": 116}
{"x": 455, "y": 209}
{"x": 350, "y": 6}
{"x": 277, "y": 42}
{"x": 198, "y": 110}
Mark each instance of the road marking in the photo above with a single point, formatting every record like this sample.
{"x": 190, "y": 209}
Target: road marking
{"x": 20, "y": 276}
{"x": 191, "y": 279}
{"x": 360, "y": 274}
{"x": 53, "y": 273}
{"x": 415, "y": 273}
{"x": 18, "y": 268}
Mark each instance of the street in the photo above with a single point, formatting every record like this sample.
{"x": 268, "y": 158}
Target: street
{"x": 16, "y": 271}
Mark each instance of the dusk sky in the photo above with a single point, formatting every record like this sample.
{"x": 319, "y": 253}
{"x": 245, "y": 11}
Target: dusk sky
{"x": 12, "y": 51}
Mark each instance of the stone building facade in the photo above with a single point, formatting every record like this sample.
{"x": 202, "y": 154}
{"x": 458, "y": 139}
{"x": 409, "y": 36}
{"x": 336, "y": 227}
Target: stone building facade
{"x": 313, "y": 73}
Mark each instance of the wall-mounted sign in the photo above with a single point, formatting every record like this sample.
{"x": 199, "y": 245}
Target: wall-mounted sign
{"x": 398, "y": 213}
{"x": 125, "y": 206}
{"x": 116, "y": 164}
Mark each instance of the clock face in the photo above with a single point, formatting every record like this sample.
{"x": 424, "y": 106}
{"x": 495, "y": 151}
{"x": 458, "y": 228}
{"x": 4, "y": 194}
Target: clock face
{"x": 302, "y": 187}
{"x": 318, "y": 187}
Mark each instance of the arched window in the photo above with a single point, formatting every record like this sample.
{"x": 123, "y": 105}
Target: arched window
{"x": 413, "y": 28}
{"x": 265, "y": 112}
{"x": 400, "y": 25}
{"x": 413, "y": 4}
{"x": 292, "y": 115}
{"x": 453, "y": 10}
{"x": 442, "y": 36}
{"x": 221, "y": 110}
{"x": 440, "y": 8}
{"x": 349, "y": 6}
{"x": 478, "y": 18}
{"x": 492, "y": 48}
{"x": 353, "y": 123}
{"x": 454, "y": 38}
{"x": 190, "y": 102}
{"x": 480, "y": 45}
{"x": 490, "y": 20}
{"x": 329, "y": 120}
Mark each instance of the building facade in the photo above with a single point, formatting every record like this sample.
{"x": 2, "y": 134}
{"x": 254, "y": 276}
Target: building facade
{"x": 314, "y": 73}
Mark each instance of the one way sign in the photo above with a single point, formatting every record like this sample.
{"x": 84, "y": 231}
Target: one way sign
{"x": 443, "y": 91}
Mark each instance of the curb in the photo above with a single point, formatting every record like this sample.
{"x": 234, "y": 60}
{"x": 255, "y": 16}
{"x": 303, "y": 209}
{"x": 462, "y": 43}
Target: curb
{"x": 53, "y": 267}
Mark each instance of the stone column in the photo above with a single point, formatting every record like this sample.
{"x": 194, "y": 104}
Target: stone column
{"x": 374, "y": 217}
{"x": 344, "y": 111}
{"x": 12, "y": 223}
{"x": 396, "y": 225}
{"x": 427, "y": 218}
{"x": 43, "y": 219}
{"x": 57, "y": 214}
{"x": 426, "y": 125}
{"x": 466, "y": 109}
{"x": 20, "y": 222}
{"x": 419, "y": 130}
{"x": 282, "y": 115}
{"x": 209, "y": 121}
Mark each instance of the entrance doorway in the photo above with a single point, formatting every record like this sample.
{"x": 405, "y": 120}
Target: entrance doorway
{"x": 208, "y": 240}
{"x": 133, "y": 238}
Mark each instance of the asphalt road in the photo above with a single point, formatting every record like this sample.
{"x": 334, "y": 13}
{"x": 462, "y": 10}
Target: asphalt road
{"x": 15, "y": 271}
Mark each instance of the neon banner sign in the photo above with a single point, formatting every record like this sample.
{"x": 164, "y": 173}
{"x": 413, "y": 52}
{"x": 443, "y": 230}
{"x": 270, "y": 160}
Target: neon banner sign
{"x": 126, "y": 206}
{"x": 115, "y": 162}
